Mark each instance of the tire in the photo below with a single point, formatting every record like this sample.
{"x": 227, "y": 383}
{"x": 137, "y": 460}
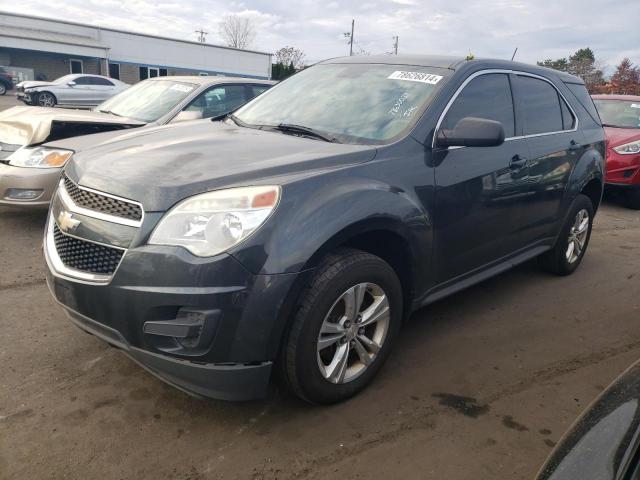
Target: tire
{"x": 309, "y": 363}
{"x": 3, "y": 88}
{"x": 564, "y": 259}
{"x": 632, "y": 200}
{"x": 45, "y": 99}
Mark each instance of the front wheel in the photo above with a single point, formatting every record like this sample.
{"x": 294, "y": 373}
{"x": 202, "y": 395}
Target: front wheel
{"x": 571, "y": 245}
{"x": 344, "y": 328}
{"x": 46, "y": 99}
{"x": 3, "y": 88}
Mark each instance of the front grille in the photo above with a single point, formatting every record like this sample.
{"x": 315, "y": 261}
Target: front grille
{"x": 102, "y": 203}
{"x": 86, "y": 256}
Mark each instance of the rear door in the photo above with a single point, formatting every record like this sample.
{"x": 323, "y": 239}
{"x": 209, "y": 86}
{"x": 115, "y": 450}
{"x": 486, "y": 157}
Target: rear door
{"x": 554, "y": 143}
{"x": 480, "y": 191}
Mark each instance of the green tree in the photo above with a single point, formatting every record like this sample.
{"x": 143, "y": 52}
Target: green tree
{"x": 582, "y": 64}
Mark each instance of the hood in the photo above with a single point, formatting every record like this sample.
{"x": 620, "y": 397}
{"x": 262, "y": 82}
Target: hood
{"x": 620, "y": 136}
{"x": 34, "y": 83}
{"x": 35, "y": 125}
{"x": 162, "y": 165}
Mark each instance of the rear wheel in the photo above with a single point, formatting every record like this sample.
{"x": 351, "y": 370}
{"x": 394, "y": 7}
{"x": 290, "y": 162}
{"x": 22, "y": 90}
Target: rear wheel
{"x": 344, "y": 328}
{"x": 568, "y": 252}
{"x": 46, "y": 99}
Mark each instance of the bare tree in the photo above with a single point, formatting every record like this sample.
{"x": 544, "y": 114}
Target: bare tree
{"x": 237, "y": 31}
{"x": 290, "y": 56}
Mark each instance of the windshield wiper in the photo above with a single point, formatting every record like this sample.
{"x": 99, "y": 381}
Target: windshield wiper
{"x": 288, "y": 127}
{"x": 110, "y": 112}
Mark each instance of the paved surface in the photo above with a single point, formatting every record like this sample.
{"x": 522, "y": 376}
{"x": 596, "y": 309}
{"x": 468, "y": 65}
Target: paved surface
{"x": 8, "y": 100}
{"x": 481, "y": 385}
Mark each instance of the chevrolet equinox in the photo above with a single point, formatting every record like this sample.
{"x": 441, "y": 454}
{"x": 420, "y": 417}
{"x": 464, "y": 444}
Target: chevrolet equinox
{"x": 292, "y": 237}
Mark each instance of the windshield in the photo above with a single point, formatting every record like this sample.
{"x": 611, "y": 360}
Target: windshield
{"x": 619, "y": 113}
{"x": 147, "y": 101}
{"x": 353, "y": 103}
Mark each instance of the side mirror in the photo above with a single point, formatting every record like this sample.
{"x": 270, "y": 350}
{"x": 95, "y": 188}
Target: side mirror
{"x": 185, "y": 115}
{"x": 472, "y": 132}
{"x": 71, "y": 83}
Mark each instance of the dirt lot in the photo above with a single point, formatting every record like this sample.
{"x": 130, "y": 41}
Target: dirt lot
{"x": 530, "y": 351}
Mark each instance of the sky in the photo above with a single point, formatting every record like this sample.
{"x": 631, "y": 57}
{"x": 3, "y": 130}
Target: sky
{"x": 540, "y": 29}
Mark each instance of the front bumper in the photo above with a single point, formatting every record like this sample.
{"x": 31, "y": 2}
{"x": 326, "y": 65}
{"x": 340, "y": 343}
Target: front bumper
{"x": 622, "y": 170}
{"x": 23, "y": 97}
{"x": 152, "y": 285}
{"x": 14, "y": 179}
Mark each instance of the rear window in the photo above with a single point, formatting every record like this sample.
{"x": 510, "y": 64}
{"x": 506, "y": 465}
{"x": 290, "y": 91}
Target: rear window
{"x": 581, "y": 94}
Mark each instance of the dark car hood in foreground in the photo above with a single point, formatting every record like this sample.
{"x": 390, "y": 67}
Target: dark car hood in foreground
{"x": 602, "y": 442}
{"x": 162, "y": 165}
{"x": 35, "y": 125}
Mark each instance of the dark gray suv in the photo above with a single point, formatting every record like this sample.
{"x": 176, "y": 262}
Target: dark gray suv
{"x": 293, "y": 236}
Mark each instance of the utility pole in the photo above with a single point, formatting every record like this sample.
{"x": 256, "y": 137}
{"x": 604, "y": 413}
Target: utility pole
{"x": 351, "y": 38}
{"x": 201, "y": 35}
{"x": 395, "y": 45}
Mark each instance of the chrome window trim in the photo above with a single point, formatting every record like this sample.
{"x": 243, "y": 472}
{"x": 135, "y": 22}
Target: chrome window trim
{"x": 60, "y": 270}
{"x": 507, "y": 72}
{"x": 73, "y": 207}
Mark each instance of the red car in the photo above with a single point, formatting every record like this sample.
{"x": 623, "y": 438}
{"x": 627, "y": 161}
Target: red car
{"x": 620, "y": 116}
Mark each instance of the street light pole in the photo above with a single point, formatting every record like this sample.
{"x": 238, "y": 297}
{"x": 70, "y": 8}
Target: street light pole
{"x": 351, "y": 38}
{"x": 395, "y": 45}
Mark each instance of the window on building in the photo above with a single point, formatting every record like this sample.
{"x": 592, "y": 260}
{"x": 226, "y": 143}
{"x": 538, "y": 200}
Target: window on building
{"x": 163, "y": 72}
{"x": 487, "y": 96}
{"x": 540, "y": 105}
{"x": 75, "y": 66}
{"x": 153, "y": 72}
{"x": 144, "y": 73}
{"x": 203, "y": 74}
{"x": 114, "y": 70}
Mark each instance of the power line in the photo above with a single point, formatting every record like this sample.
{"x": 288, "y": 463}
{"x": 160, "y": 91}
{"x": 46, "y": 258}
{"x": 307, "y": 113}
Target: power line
{"x": 201, "y": 35}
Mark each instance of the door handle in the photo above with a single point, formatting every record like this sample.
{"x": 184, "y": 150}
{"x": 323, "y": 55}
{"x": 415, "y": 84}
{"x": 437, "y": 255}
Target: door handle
{"x": 573, "y": 145}
{"x": 517, "y": 162}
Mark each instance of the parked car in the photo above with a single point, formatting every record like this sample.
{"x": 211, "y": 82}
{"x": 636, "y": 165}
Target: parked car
{"x": 620, "y": 116}
{"x": 77, "y": 90}
{"x": 25, "y": 131}
{"x": 604, "y": 443}
{"x": 297, "y": 233}
{"x": 6, "y": 81}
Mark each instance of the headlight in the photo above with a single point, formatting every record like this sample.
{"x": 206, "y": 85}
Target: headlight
{"x": 628, "y": 148}
{"x": 211, "y": 223}
{"x": 39, "y": 157}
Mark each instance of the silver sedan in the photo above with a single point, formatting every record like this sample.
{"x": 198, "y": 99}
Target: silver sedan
{"x": 76, "y": 90}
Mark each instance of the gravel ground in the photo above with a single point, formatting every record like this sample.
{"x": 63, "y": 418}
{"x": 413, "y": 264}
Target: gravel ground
{"x": 481, "y": 385}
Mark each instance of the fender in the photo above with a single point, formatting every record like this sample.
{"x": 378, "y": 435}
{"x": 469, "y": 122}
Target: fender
{"x": 590, "y": 166}
{"x": 341, "y": 206}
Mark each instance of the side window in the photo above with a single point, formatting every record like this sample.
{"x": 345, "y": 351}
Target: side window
{"x": 101, "y": 81}
{"x": 258, "y": 89}
{"x": 487, "y": 96}
{"x": 540, "y": 105}
{"x": 580, "y": 92}
{"x": 218, "y": 100}
{"x": 83, "y": 81}
{"x": 568, "y": 120}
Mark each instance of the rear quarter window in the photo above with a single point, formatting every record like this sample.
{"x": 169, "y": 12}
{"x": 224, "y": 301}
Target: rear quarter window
{"x": 583, "y": 97}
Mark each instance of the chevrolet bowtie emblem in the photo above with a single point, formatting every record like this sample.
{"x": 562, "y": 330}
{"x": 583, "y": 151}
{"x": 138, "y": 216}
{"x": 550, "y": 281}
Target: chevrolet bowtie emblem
{"x": 66, "y": 222}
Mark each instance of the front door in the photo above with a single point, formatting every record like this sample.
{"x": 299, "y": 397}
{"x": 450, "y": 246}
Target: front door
{"x": 480, "y": 191}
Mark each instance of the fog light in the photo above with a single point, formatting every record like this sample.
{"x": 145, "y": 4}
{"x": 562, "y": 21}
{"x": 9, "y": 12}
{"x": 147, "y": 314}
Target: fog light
{"x": 190, "y": 333}
{"x": 23, "y": 194}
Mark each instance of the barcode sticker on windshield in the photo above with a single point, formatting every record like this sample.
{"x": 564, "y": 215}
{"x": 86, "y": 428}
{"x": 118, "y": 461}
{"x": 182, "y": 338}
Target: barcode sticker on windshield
{"x": 415, "y": 77}
{"x": 181, "y": 88}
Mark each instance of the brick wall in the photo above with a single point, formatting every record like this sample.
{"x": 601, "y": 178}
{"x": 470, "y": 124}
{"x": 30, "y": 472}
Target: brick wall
{"x": 52, "y": 65}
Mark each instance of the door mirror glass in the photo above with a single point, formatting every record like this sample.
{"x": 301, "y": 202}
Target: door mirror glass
{"x": 472, "y": 132}
{"x": 188, "y": 115}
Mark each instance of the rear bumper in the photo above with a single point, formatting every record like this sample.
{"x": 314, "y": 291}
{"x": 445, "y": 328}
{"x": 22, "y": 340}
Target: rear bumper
{"x": 44, "y": 180}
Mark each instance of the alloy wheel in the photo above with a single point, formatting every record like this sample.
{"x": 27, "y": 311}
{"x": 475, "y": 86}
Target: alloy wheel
{"x": 46, "y": 100}
{"x": 578, "y": 236}
{"x": 3, "y": 89}
{"x": 353, "y": 333}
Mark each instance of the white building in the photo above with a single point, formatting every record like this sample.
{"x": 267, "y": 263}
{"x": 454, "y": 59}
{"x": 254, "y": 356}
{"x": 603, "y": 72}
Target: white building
{"x": 53, "y": 48}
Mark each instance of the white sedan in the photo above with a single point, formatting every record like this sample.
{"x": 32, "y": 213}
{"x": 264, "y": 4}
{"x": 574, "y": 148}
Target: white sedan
{"x": 77, "y": 90}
